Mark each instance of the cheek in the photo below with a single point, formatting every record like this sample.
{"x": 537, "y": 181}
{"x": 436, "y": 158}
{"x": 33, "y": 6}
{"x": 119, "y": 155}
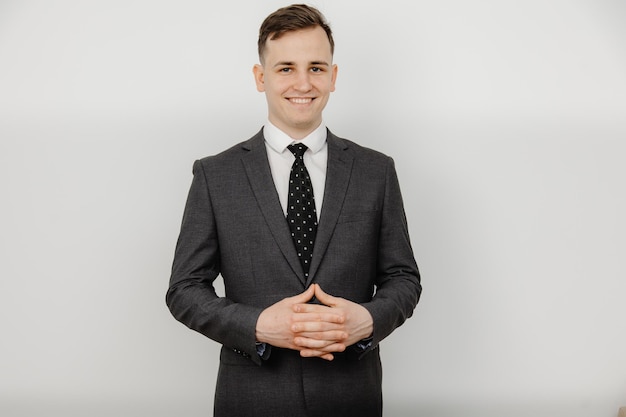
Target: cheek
{"x": 276, "y": 89}
{"x": 325, "y": 85}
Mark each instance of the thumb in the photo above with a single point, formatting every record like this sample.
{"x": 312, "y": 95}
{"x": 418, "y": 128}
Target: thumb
{"x": 324, "y": 298}
{"x": 304, "y": 296}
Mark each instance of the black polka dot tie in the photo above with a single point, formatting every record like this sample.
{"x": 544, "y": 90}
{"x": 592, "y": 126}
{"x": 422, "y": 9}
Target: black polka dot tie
{"x": 301, "y": 214}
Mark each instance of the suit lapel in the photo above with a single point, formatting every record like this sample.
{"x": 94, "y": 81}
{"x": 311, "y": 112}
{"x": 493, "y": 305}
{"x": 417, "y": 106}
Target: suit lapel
{"x": 260, "y": 177}
{"x": 338, "y": 174}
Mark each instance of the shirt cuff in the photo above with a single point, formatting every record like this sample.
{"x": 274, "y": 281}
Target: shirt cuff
{"x": 263, "y": 350}
{"x": 363, "y": 345}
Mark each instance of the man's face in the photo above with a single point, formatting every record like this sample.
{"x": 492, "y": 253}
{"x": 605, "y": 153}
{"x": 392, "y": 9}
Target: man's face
{"x": 297, "y": 77}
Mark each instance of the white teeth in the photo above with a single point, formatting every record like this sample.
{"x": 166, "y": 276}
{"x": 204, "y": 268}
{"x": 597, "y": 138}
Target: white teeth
{"x": 300, "y": 100}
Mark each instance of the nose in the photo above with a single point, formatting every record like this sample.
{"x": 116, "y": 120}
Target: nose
{"x": 303, "y": 82}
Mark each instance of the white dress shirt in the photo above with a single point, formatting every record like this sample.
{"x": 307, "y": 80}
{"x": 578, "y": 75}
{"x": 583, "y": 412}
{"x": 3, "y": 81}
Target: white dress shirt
{"x": 281, "y": 159}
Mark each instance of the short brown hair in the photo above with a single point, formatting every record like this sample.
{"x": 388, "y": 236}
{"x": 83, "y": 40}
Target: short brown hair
{"x": 290, "y": 18}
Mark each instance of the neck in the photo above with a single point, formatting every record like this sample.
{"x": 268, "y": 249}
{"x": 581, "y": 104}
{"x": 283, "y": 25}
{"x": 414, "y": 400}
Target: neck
{"x": 296, "y": 133}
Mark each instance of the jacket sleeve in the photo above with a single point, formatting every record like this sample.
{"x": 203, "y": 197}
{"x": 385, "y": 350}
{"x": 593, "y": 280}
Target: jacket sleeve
{"x": 398, "y": 286}
{"x": 191, "y": 296}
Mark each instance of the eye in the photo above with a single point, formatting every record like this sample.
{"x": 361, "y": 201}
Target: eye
{"x": 316, "y": 69}
{"x": 285, "y": 70}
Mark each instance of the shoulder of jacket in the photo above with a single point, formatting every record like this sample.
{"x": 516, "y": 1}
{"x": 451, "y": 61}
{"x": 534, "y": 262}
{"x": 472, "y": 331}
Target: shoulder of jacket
{"x": 358, "y": 151}
{"x": 234, "y": 152}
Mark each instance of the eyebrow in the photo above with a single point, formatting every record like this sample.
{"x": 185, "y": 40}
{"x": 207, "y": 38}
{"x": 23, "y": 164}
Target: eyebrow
{"x": 289, "y": 63}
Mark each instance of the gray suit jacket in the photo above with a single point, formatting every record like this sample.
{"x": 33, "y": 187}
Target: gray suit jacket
{"x": 233, "y": 225}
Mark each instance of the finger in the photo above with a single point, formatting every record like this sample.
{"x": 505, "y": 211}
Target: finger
{"x": 317, "y": 354}
{"x": 334, "y": 348}
{"x": 315, "y": 326}
{"x": 310, "y": 308}
{"x": 314, "y": 344}
{"x": 329, "y": 317}
{"x": 319, "y": 340}
{"x": 317, "y": 309}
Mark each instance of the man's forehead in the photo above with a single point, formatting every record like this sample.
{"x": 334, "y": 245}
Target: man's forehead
{"x": 318, "y": 63}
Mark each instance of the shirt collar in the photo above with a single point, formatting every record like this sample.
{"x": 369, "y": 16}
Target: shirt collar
{"x": 279, "y": 140}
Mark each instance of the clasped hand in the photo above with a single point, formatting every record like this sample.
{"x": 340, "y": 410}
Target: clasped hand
{"x": 316, "y": 330}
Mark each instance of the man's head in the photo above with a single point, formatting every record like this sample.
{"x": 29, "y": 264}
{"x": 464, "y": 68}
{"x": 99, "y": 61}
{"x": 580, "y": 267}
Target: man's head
{"x": 291, "y": 18}
{"x": 296, "y": 72}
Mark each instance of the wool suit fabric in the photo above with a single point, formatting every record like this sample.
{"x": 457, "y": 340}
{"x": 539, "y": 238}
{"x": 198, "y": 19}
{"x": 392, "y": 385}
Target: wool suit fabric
{"x": 234, "y": 226}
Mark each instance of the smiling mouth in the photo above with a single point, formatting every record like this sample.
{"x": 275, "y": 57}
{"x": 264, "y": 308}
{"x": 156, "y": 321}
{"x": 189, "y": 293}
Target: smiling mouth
{"x": 297, "y": 100}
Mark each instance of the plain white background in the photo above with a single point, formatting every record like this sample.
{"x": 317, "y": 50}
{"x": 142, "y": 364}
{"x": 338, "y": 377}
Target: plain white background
{"x": 507, "y": 122}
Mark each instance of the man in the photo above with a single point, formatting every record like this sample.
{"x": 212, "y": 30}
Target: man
{"x": 307, "y": 301}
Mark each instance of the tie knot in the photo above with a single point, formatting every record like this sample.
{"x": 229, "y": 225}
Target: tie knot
{"x": 297, "y": 149}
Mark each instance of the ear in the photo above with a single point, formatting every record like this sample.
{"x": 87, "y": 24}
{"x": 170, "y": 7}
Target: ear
{"x": 334, "y": 78}
{"x": 259, "y": 77}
